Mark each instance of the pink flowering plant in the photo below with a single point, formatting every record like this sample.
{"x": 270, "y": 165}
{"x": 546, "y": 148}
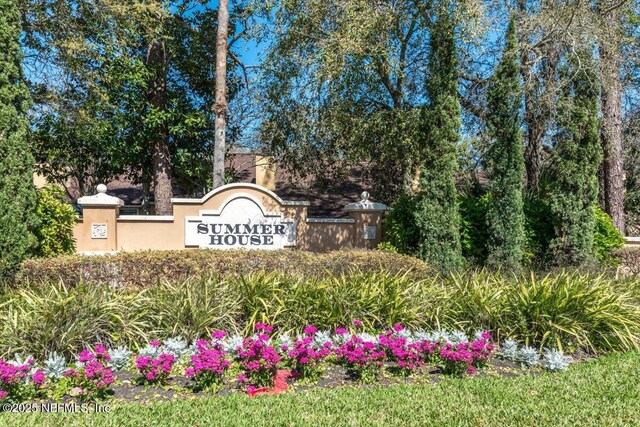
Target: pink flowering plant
{"x": 363, "y": 359}
{"x": 428, "y": 350}
{"x": 481, "y": 350}
{"x": 155, "y": 370}
{"x": 92, "y": 376}
{"x": 258, "y": 358}
{"x": 13, "y": 382}
{"x": 209, "y": 364}
{"x": 461, "y": 358}
{"x": 405, "y": 355}
{"x": 456, "y": 359}
{"x": 305, "y": 355}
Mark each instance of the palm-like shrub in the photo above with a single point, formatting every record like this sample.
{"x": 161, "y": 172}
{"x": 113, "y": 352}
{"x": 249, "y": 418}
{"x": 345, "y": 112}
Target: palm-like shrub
{"x": 194, "y": 307}
{"x": 578, "y": 310}
{"x": 569, "y": 311}
{"x": 65, "y": 320}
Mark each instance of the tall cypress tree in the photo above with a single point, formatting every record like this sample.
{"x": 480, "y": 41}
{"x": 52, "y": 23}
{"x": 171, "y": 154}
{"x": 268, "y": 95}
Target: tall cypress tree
{"x": 577, "y": 155}
{"x": 436, "y": 214}
{"x": 17, "y": 193}
{"x": 505, "y": 218}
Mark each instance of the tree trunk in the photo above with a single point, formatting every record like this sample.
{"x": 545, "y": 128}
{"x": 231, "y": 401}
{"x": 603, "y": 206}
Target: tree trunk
{"x": 533, "y": 141}
{"x": 220, "y": 108}
{"x": 539, "y": 92}
{"x": 160, "y": 155}
{"x": 611, "y": 130}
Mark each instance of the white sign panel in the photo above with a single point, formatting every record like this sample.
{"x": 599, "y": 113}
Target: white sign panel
{"x": 242, "y": 223}
{"x": 98, "y": 231}
{"x": 370, "y": 232}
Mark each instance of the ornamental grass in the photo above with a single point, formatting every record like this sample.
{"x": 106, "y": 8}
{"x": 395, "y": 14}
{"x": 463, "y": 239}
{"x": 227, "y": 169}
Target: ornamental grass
{"x": 572, "y": 311}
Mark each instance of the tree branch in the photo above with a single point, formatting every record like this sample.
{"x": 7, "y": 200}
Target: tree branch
{"x": 476, "y": 110}
{"x": 237, "y": 60}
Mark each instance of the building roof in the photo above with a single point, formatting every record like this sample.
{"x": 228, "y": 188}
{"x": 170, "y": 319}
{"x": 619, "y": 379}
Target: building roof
{"x": 327, "y": 202}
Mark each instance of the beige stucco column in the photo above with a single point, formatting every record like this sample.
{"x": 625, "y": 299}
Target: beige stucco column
{"x": 97, "y": 231}
{"x": 368, "y": 222}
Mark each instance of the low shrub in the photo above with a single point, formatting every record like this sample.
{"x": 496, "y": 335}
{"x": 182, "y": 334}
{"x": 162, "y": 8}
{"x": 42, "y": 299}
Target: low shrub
{"x": 606, "y": 237}
{"x": 147, "y": 268}
{"x": 154, "y": 370}
{"x": 401, "y": 232}
{"x": 362, "y": 357}
{"x": 307, "y": 353}
{"x": 406, "y": 354}
{"x": 539, "y": 231}
{"x": 12, "y": 381}
{"x": 54, "y": 232}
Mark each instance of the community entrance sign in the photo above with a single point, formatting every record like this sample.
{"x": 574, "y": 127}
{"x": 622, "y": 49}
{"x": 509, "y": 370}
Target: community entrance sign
{"x": 235, "y": 216}
{"x": 241, "y": 223}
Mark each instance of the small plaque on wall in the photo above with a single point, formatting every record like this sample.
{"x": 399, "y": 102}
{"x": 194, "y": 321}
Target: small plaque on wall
{"x": 98, "y": 231}
{"x": 370, "y": 232}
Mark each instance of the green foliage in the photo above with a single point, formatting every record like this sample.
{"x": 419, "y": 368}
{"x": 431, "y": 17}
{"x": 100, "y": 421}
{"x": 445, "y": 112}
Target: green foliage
{"x": 571, "y": 311}
{"x": 539, "y": 232}
{"x": 575, "y": 311}
{"x": 151, "y": 267}
{"x": 57, "y": 219}
{"x": 339, "y": 91}
{"x": 39, "y": 320}
{"x": 563, "y": 310}
{"x": 473, "y": 232}
{"x": 400, "y": 229}
{"x": 98, "y": 122}
{"x": 505, "y": 218}
{"x": 17, "y": 194}
{"x": 577, "y": 157}
{"x": 606, "y": 237}
{"x": 387, "y": 247}
{"x": 437, "y": 217}
{"x": 193, "y": 308}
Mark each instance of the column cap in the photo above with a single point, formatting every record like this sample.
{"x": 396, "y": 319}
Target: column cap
{"x": 365, "y": 204}
{"x": 100, "y": 199}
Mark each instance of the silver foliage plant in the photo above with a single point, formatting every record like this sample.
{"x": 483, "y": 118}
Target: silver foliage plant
{"x": 555, "y": 360}
{"x": 509, "y": 350}
{"x": 285, "y": 340}
{"x": 322, "y": 337}
{"x": 55, "y": 366}
{"x": 232, "y": 343}
{"x": 458, "y": 337}
{"x": 151, "y": 351}
{"x": 368, "y": 337}
{"x": 177, "y": 347}
{"x": 119, "y": 358}
{"x": 528, "y": 356}
{"x": 18, "y": 360}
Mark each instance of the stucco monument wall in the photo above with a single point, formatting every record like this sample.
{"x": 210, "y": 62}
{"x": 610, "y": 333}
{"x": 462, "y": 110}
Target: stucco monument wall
{"x": 234, "y": 216}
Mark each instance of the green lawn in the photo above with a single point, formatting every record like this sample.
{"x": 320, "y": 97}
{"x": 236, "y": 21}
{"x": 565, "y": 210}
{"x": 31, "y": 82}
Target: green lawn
{"x": 605, "y": 392}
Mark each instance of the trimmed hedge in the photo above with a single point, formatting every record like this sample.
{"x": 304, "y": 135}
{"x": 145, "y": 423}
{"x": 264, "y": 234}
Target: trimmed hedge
{"x": 147, "y": 268}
